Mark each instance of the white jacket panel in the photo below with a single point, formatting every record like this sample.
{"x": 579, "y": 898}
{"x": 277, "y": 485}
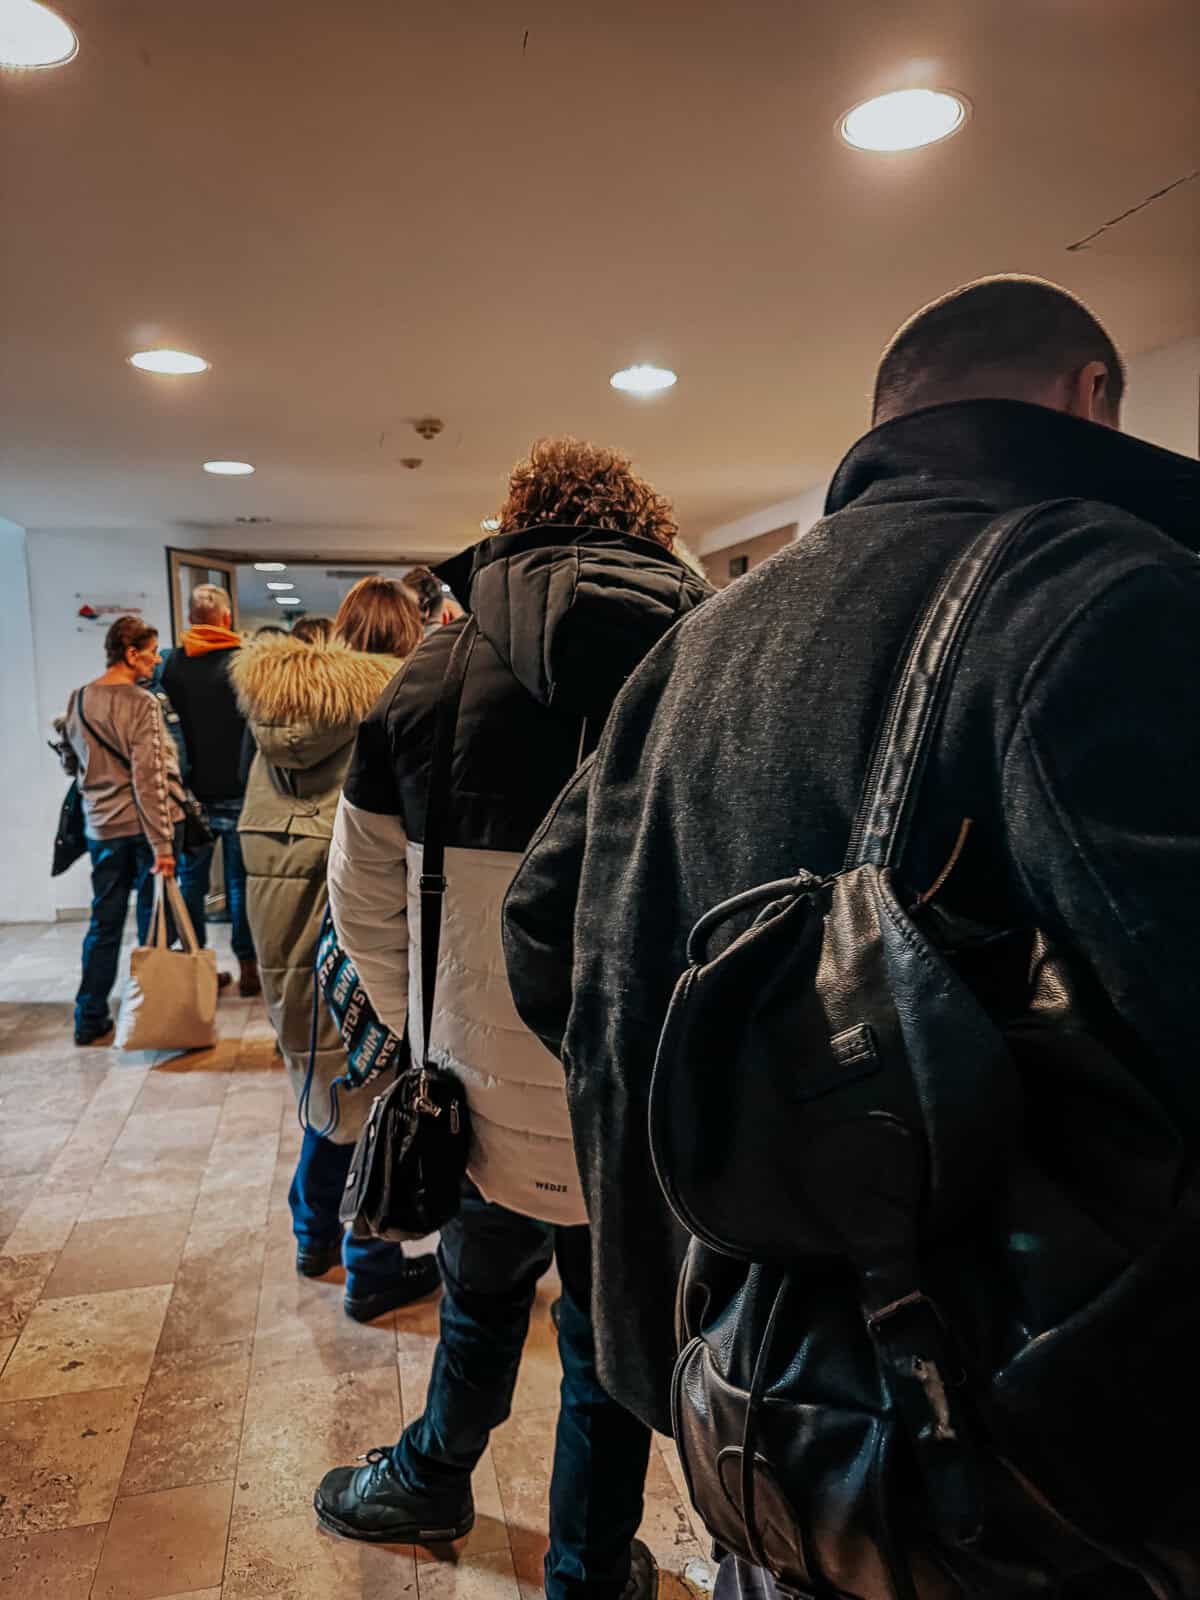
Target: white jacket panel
{"x": 522, "y": 1156}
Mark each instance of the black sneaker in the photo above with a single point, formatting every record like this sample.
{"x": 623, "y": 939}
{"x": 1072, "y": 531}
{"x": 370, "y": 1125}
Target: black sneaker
{"x": 371, "y": 1503}
{"x": 643, "y": 1574}
{"x": 315, "y": 1260}
{"x": 101, "y": 1033}
{"x": 417, "y": 1279}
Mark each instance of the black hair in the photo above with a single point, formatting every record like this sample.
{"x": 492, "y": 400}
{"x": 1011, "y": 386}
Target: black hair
{"x": 427, "y": 587}
{"x": 993, "y": 332}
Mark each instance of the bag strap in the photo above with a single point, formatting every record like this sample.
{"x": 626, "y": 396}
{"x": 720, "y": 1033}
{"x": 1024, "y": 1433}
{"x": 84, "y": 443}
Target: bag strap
{"x": 156, "y": 935}
{"x": 437, "y": 807}
{"x": 183, "y": 920}
{"x": 99, "y": 738}
{"x": 905, "y": 738}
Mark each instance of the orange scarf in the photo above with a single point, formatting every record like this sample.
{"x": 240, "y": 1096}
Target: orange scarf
{"x": 206, "y": 637}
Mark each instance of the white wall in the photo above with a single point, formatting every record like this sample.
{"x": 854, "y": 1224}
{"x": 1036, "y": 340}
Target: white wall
{"x": 1163, "y": 397}
{"x": 802, "y": 509}
{"x": 66, "y": 570}
{"x": 28, "y": 803}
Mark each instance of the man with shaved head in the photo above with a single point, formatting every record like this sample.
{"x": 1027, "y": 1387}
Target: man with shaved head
{"x": 1068, "y": 740}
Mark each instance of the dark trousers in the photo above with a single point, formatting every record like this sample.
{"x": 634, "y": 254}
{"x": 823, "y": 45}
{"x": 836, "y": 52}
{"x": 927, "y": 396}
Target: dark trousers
{"x": 119, "y": 867}
{"x": 491, "y": 1260}
{"x": 316, "y": 1190}
{"x": 195, "y": 872}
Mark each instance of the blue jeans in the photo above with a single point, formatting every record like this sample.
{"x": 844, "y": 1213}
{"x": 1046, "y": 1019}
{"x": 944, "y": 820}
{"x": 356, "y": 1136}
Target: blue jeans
{"x": 491, "y": 1260}
{"x": 118, "y": 866}
{"x": 195, "y": 870}
{"x": 317, "y": 1185}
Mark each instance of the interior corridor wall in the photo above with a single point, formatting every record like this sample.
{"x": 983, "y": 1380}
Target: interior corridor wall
{"x": 68, "y": 569}
{"x": 26, "y": 825}
{"x": 1163, "y": 399}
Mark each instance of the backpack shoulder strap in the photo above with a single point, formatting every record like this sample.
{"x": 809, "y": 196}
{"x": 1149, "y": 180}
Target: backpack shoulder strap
{"x": 437, "y": 806}
{"x": 910, "y": 722}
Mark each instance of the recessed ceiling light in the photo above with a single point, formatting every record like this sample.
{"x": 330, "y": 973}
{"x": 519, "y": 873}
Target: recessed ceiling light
{"x": 490, "y": 524}
{"x": 270, "y": 566}
{"x": 281, "y": 586}
{"x": 287, "y": 599}
{"x": 904, "y": 120}
{"x": 643, "y": 379}
{"x": 32, "y": 35}
{"x": 229, "y": 469}
{"x": 173, "y": 362}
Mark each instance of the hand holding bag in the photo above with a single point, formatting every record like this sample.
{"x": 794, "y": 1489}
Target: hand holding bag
{"x": 170, "y": 1001}
{"x": 410, "y": 1160}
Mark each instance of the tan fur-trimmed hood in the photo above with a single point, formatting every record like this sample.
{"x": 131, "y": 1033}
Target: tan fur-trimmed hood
{"x": 283, "y": 680}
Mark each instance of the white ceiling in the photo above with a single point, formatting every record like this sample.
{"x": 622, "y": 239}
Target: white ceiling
{"x": 365, "y": 212}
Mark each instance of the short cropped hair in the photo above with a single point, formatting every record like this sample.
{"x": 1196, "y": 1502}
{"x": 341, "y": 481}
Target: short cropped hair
{"x": 427, "y": 587}
{"x": 207, "y": 602}
{"x": 992, "y": 338}
{"x": 578, "y": 484}
{"x": 380, "y": 616}
{"x": 127, "y": 633}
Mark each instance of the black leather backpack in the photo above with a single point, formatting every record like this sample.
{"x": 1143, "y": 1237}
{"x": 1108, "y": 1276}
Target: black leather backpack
{"x": 940, "y": 1319}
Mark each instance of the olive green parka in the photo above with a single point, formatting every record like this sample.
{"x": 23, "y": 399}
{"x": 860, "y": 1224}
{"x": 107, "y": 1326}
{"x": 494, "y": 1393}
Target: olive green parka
{"x": 303, "y": 704}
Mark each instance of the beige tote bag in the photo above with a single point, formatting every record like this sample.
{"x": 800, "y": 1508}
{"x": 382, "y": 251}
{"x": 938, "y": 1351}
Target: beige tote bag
{"x": 170, "y": 1001}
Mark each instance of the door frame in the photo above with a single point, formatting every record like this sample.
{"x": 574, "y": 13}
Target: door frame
{"x": 178, "y": 559}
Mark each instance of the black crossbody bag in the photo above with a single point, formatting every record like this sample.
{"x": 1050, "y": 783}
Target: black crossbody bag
{"x": 411, "y": 1157}
{"x": 196, "y": 831}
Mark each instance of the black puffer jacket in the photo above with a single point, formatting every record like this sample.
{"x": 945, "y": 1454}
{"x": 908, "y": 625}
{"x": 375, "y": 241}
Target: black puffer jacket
{"x": 1072, "y": 738}
{"x": 564, "y": 615}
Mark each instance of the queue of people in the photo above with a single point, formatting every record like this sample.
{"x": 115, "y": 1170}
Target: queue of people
{"x": 1008, "y": 733}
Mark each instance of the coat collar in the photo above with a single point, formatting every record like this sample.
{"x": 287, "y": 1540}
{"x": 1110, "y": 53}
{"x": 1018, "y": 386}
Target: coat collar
{"x": 1007, "y": 453}
{"x": 459, "y": 571}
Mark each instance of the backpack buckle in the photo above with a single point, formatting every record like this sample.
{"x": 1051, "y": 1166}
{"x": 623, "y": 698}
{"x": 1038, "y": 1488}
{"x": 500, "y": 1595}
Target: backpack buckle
{"x": 894, "y": 1308}
{"x": 432, "y": 883}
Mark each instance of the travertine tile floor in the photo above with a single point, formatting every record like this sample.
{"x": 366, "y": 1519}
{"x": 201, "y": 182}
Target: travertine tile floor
{"x": 170, "y": 1391}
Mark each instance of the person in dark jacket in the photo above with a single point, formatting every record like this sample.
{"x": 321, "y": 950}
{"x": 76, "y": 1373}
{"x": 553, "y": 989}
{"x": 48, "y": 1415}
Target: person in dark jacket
{"x": 195, "y": 679}
{"x": 578, "y": 584}
{"x": 1071, "y": 738}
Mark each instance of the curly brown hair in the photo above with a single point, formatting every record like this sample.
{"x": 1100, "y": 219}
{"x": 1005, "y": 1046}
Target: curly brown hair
{"x": 569, "y": 481}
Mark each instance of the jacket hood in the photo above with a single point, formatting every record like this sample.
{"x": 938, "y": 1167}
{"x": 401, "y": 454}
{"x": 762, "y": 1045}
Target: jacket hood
{"x": 572, "y": 610}
{"x": 285, "y": 681}
{"x": 1009, "y": 453}
{"x": 206, "y": 637}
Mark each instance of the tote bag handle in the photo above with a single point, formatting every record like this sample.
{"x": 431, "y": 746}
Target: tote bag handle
{"x": 166, "y": 890}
